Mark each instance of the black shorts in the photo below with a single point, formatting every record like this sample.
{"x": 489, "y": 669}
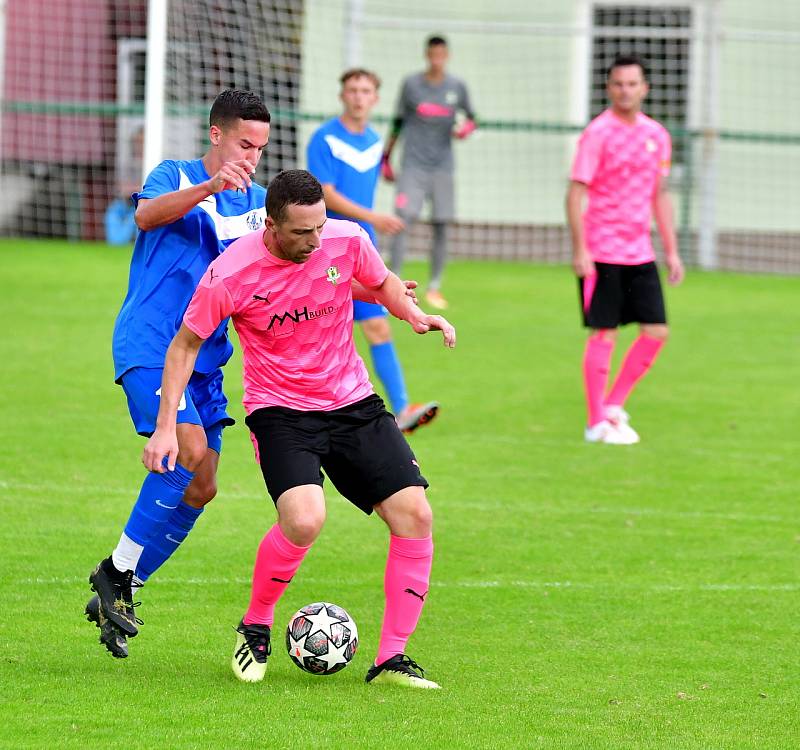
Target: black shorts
{"x": 622, "y": 294}
{"x": 359, "y": 446}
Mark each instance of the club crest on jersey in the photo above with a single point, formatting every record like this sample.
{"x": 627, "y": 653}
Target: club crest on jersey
{"x": 253, "y": 221}
{"x": 650, "y": 145}
{"x": 451, "y": 97}
{"x": 333, "y": 274}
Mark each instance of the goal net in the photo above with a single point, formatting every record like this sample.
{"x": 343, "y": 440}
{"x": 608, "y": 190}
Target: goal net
{"x": 722, "y": 72}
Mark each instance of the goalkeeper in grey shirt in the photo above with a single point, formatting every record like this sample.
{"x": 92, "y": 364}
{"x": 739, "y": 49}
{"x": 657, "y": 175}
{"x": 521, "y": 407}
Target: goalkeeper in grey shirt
{"x": 426, "y": 115}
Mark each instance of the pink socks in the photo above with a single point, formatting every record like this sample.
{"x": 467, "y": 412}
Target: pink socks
{"x": 638, "y": 361}
{"x": 408, "y": 571}
{"x": 276, "y": 563}
{"x": 596, "y": 360}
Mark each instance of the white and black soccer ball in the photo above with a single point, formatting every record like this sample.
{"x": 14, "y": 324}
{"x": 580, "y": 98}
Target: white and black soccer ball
{"x": 321, "y": 638}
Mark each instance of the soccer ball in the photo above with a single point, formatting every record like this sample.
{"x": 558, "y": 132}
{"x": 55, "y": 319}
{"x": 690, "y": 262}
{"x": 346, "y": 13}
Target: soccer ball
{"x": 321, "y": 638}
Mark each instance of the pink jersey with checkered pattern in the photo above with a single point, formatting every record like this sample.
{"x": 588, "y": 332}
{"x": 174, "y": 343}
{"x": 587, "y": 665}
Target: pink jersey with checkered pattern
{"x": 295, "y": 321}
{"x": 621, "y": 163}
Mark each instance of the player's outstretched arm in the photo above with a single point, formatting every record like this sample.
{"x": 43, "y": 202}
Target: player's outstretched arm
{"x": 152, "y": 213}
{"x": 392, "y": 295}
{"x": 362, "y": 294}
{"x": 178, "y": 367}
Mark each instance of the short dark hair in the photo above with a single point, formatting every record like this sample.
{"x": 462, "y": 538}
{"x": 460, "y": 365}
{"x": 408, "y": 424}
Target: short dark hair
{"x": 236, "y": 104}
{"x": 360, "y": 73}
{"x": 435, "y": 41}
{"x": 292, "y": 187}
{"x": 621, "y": 61}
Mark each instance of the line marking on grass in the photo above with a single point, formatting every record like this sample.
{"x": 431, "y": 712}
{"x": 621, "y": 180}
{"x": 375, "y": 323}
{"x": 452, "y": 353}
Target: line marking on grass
{"x": 108, "y": 491}
{"x": 514, "y": 584}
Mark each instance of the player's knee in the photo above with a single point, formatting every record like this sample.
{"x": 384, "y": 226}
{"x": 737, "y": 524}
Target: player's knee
{"x": 377, "y": 330}
{"x": 660, "y": 333}
{"x": 192, "y": 446}
{"x": 192, "y": 455}
{"x": 200, "y": 493}
{"x": 419, "y": 517}
{"x": 303, "y": 529}
{"x": 604, "y": 334}
{"x": 302, "y": 532}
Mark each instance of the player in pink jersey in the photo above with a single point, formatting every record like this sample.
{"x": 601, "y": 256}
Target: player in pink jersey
{"x": 310, "y": 406}
{"x": 620, "y": 175}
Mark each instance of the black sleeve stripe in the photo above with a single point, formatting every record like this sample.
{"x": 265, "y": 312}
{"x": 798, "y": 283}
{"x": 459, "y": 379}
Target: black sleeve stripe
{"x": 397, "y": 125}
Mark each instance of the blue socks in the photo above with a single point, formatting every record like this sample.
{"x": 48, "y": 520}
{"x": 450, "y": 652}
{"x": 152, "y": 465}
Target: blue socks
{"x": 387, "y": 367}
{"x": 167, "y": 539}
{"x": 159, "y": 497}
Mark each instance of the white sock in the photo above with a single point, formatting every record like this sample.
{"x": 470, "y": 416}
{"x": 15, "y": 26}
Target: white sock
{"x": 127, "y": 553}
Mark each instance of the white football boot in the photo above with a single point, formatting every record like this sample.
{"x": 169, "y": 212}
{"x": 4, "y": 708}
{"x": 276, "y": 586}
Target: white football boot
{"x": 621, "y": 420}
{"x": 605, "y": 432}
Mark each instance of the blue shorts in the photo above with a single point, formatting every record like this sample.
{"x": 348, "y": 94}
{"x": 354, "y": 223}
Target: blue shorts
{"x": 367, "y": 310}
{"x": 203, "y": 402}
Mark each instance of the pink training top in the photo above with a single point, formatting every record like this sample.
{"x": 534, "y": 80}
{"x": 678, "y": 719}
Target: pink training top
{"x": 620, "y": 163}
{"x": 294, "y": 320}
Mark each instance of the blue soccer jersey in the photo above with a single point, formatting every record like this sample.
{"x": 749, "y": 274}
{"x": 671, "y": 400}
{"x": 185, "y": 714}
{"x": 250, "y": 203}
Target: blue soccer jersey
{"x": 168, "y": 263}
{"x": 348, "y": 161}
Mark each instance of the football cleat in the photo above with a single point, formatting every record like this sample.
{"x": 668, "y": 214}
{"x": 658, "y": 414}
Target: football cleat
{"x": 616, "y": 414}
{"x": 621, "y": 421}
{"x": 436, "y": 299}
{"x": 606, "y": 432}
{"x": 110, "y": 637}
{"x": 400, "y": 670}
{"x": 249, "y": 662}
{"x": 416, "y": 415}
{"x": 115, "y": 598}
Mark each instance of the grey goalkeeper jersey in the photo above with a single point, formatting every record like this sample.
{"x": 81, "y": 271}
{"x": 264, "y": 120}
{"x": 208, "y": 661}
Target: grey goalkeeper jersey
{"x": 428, "y": 113}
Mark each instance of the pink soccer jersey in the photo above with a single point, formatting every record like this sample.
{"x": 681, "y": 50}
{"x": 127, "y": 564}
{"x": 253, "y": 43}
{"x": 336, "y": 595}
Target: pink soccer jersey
{"x": 620, "y": 163}
{"x": 295, "y": 321}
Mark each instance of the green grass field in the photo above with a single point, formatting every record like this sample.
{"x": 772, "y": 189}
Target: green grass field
{"x": 582, "y": 596}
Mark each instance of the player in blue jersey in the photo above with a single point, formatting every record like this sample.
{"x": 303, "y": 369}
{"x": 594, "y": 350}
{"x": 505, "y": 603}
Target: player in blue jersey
{"x": 188, "y": 213}
{"x": 344, "y": 154}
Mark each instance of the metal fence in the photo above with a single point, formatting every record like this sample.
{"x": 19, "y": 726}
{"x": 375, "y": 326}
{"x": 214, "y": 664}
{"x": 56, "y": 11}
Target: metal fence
{"x": 77, "y": 121}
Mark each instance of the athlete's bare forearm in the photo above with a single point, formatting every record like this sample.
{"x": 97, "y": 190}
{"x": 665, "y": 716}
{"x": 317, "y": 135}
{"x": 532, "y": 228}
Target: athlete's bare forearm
{"x": 152, "y": 213}
{"x": 575, "y": 205}
{"x": 178, "y": 368}
{"x": 664, "y": 214}
{"x": 337, "y": 202}
{"x": 391, "y": 141}
{"x": 361, "y": 293}
{"x": 392, "y": 295}
{"x": 582, "y": 262}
